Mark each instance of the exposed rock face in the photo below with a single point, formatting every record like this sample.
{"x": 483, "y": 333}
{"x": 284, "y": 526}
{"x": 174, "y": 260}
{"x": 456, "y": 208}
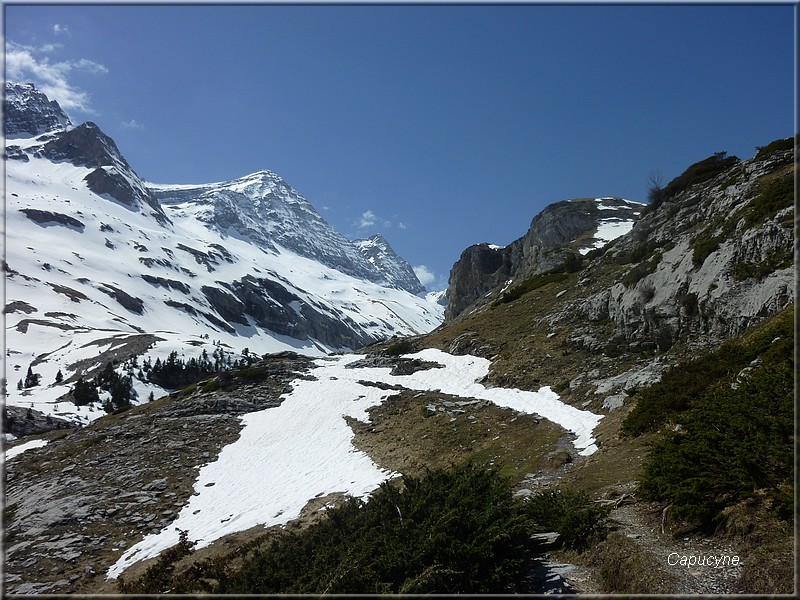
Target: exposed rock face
{"x": 396, "y": 270}
{"x": 268, "y": 304}
{"x": 710, "y": 262}
{"x": 44, "y": 217}
{"x": 21, "y": 421}
{"x": 86, "y": 145}
{"x": 559, "y": 230}
{"x": 28, "y": 112}
{"x": 480, "y": 269}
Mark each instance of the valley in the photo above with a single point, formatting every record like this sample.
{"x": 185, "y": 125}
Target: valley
{"x": 572, "y": 382}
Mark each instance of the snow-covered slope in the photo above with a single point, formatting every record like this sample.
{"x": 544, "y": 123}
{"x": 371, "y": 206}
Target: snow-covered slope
{"x": 615, "y": 218}
{"x": 97, "y": 270}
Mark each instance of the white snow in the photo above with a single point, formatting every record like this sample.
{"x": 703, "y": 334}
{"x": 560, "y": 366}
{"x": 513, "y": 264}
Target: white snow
{"x": 118, "y": 246}
{"x": 19, "y": 449}
{"x": 303, "y": 449}
{"x": 608, "y": 230}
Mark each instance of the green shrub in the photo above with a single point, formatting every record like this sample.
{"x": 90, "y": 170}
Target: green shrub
{"x": 733, "y": 442}
{"x": 774, "y": 146}
{"x": 774, "y": 261}
{"x": 690, "y": 380}
{"x": 452, "y": 531}
{"x": 160, "y": 576}
{"x": 735, "y": 439}
{"x": 776, "y": 195}
{"x": 529, "y": 285}
{"x": 578, "y": 521}
{"x": 699, "y": 172}
{"x": 702, "y": 246}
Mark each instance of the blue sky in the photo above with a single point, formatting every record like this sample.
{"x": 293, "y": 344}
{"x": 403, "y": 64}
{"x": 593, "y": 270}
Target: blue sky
{"x": 438, "y": 126}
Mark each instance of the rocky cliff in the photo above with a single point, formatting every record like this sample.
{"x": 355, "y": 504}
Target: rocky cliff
{"x": 396, "y": 270}
{"x": 712, "y": 259}
{"x": 561, "y": 229}
{"x": 28, "y": 112}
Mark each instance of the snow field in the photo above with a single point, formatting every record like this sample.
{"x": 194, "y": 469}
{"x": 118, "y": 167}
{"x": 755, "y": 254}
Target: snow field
{"x": 17, "y": 450}
{"x": 303, "y": 449}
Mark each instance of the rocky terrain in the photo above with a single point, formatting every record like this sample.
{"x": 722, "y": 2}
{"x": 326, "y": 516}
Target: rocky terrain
{"x": 709, "y": 261}
{"x": 74, "y": 505}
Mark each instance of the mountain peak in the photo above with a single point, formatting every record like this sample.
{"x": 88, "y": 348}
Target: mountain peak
{"x": 29, "y": 113}
{"x": 394, "y": 268}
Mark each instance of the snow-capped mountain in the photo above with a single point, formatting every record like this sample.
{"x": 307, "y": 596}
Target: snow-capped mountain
{"x": 101, "y": 266}
{"x": 394, "y": 268}
{"x": 265, "y": 209}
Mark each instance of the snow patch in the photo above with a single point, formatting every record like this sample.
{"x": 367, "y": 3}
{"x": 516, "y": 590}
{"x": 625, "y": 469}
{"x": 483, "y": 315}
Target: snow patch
{"x": 17, "y": 450}
{"x": 303, "y": 448}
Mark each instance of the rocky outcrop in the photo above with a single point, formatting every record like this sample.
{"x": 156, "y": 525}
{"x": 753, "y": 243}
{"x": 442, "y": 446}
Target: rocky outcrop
{"x": 705, "y": 265}
{"x": 561, "y": 229}
{"x": 45, "y": 217}
{"x": 269, "y": 304}
{"x": 29, "y": 113}
{"x": 87, "y": 146}
{"x": 480, "y": 269}
{"x": 20, "y": 421}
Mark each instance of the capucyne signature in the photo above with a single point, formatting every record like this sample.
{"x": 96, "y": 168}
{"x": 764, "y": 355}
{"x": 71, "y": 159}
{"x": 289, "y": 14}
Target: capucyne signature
{"x": 714, "y": 561}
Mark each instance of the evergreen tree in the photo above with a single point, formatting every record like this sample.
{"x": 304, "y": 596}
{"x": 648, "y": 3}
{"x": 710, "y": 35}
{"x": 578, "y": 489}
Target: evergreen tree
{"x": 32, "y": 379}
{"x": 84, "y": 392}
{"x": 59, "y": 376}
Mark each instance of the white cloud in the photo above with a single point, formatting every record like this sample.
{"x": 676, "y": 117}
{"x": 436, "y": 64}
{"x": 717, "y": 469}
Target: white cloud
{"x": 24, "y": 63}
{"x": 424, "y": 274}
{"x": 59, "y": 29}
{"x": 368, "y": 219}
{"x": 132, "y": 124}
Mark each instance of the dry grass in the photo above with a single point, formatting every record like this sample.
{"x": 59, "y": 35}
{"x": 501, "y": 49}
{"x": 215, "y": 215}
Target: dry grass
{"x": 625, "y": 568}
{"x": 404, "y": 436}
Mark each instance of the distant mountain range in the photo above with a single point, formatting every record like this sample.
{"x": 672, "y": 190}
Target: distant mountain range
{"x": 103, "y": 266}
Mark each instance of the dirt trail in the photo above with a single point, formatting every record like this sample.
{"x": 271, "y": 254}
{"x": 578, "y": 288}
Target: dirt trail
{"x": 640, "y": 522}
